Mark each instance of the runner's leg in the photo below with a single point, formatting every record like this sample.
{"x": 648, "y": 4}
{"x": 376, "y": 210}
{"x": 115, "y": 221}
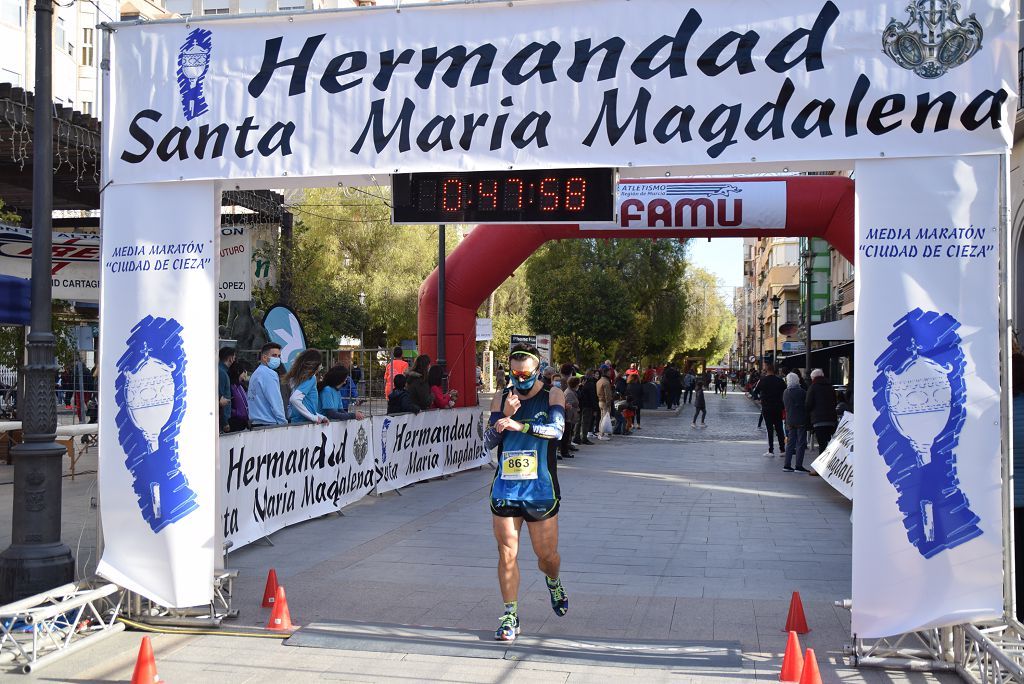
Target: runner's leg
{"x": 544, "y": 538}
{"x": 506, "y": 532}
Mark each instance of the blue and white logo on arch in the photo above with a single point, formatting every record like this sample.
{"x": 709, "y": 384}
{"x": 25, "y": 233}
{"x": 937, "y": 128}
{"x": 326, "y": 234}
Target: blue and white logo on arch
{"x": 193, "y": 66}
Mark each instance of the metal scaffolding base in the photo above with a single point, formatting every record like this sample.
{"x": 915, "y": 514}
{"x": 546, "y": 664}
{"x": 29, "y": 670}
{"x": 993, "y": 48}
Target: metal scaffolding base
{"x": 141, "y": 609}
{"x": 981, "y": 653}
{"x": 41, "y": 629}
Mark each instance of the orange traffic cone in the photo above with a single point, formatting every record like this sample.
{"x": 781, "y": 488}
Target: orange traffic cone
{"x": 792, "y": 661}
{"x": 795, "y": 621}
{"x": 145, "y": 665}
{"x": 271, "y": 590}
{"x": 280, "y": 618}
{"x": 810, "y": 675}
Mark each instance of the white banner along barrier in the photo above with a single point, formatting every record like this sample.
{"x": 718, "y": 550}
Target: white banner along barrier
{"x": 553, "y": 83}
{"x": 927, "y": 518}
{"x": 272, "y": 478}
{"x": 835, "y": 463}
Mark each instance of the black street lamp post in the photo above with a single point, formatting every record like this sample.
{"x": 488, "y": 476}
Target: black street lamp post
{"x": 775, "y": 350}
{"x": 808, "y": 275}
{"x": 760, "y": 333}
{"x": 37, "y": 560}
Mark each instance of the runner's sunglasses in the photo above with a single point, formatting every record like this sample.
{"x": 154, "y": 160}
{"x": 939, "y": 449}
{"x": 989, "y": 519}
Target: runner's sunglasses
{"x": 522, "y": 374}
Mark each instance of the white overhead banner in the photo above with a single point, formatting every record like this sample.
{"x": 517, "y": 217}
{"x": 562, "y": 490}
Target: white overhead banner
{"x": 835, "y": 463}
{"x": 270, "y": 479}
{"x": 158, "y": 423}
{"x": 713, "y": 204}
{"x": 410, "y": 448}
{"x": 559, "y": 83}
{"x": 927, "y": 522}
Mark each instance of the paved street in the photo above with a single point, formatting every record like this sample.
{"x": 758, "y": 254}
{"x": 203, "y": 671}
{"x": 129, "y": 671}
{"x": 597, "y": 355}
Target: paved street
{"x": 670, "y": 534}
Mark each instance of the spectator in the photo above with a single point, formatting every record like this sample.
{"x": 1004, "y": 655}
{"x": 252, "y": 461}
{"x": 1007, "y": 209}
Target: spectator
{"x": 605, "y": 399}
{"x": 396, "y": 366}
{"x": 689, "y": 383}
{"x": 227, "y": 357}
{"x": 238, "y": 373}
{"x": 266, "y": 405}
{"x": 400, "y": 401}
{"x": 635, "y": 395}
{"x": 416, "y": 382}
{"x": 672, "y": 383}
{"x": 794, "y": 398}
{"x": 304, "y": 400}
{"x": 770, "y": 389}
{"x": 349, "y": 393}
{"x": 572, "y": 416}
{"x": 821, "y": 408}
{"x": 700, "y": 406}
{"x": 842, "y": 406}
{"x": 332, "y": 395}
{"x": 588, "y": 409}
{"x": 620, "y": 385}
{"x": 633, "y": 370}
{"x": 441, "y": 400}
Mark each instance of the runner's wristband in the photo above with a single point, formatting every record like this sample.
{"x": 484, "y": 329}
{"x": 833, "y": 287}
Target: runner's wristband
{"x": 526, "y": 429}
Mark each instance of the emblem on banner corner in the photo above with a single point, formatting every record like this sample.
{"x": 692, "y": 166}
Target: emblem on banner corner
{"x": 149, "y": 393}
{"x": 384, "y": 440}
{"x": 920, "y": 395}
{"x": 193, "y": 65}
{"x": 361, "y": 446}
{"x": 933, "y": 39}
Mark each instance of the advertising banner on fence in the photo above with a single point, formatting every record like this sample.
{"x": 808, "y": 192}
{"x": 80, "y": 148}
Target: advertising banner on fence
{"x": 410, "y": 448}
{"x": 835, "y": 463}
{"x": 236, "y": 264}
{"x": 559, "y": 84}
{"x": 75, "y": 261}
{"x": 270, "y": 479}
{"x": 713, "y": 204}
{"x": 158, "y": 426}
{"x": 927, "y": 524}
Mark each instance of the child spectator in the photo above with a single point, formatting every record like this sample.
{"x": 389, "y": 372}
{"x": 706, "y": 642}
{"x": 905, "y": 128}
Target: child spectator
{"x": 400, "y": 401}
{"x": 333, "y": 395}
{"x": 238, "y": 374}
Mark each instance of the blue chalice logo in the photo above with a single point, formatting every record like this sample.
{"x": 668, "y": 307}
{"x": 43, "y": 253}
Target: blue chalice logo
{"x": 193, "y": 64}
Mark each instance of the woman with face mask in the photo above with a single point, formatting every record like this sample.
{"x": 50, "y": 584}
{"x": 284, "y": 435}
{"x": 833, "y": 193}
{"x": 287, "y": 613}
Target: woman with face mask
{"x": 526, "y": 418}
{"x": 238, "y": 374}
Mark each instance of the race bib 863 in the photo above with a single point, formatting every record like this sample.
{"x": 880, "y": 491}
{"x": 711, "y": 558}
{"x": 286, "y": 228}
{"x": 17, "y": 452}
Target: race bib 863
{"x": 519, "y": 465}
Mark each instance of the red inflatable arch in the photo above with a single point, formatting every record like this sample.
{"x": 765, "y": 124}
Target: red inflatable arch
{"x": 816, "y": 206}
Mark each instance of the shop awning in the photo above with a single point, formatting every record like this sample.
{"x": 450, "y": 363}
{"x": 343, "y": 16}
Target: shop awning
{"x": 818, "y": 356}
{"x": 833, "y": 331}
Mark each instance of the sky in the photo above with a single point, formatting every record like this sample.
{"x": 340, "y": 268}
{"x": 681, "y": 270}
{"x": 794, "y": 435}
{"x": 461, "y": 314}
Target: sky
{"x": 721, "y": 256}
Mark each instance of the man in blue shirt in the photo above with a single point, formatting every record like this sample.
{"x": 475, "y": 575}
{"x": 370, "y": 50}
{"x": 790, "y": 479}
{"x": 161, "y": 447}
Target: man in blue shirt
{"x": 227, "y": 357}
{"x": 266, "y": 403}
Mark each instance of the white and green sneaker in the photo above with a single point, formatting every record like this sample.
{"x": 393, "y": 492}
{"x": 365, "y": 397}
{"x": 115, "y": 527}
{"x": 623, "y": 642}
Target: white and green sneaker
{"x": 508, "y": 628}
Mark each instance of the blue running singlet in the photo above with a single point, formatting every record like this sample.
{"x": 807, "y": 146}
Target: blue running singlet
{"x": 525, "y": 484}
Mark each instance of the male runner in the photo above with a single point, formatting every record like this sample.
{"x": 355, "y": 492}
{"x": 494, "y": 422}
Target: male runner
{"x": 525, "y": 419}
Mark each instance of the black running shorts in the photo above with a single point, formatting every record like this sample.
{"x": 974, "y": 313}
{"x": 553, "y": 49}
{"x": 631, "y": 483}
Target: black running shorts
{"x": 530, "y": 511}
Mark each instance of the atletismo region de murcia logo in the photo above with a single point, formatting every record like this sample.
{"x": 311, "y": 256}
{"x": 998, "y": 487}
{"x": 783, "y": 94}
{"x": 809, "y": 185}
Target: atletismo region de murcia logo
{"x": 933, "y": 39}
{"x": 193, "y": 65}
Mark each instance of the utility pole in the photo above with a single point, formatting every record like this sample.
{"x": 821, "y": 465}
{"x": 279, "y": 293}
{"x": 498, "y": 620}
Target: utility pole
{"x": 287, "y": 223}
{"x": 37, "y": 560}
{"x": 808, "y": 274}
{"x": 441, "y": 361}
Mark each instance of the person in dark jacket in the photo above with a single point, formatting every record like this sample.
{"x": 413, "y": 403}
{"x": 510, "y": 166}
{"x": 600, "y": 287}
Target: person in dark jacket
{"x": 821, "y": 408}
{"x": 672, "y": 382}
{"x": 700, "y": 406}
{"x": 769, "y": 390}
{"x": 416, "y": 382}
{"x": 400, "y": 401}
{"x": 588, "y": 409}
{"x": 795, "y": 401}
{"x": 635, "y": 395}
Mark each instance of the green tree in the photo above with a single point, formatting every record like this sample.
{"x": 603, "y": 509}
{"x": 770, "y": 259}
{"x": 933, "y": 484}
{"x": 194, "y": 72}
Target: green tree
{"x": 709, "y": 323}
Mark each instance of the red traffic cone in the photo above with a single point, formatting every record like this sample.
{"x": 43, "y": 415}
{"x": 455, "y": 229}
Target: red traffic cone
{"x": 792, "y": 661}
{"x": 810, "y": 675}
{"x": 271, "y": 590}
{"x": 280, "y": 618}
{"x": 145, "y": 665}
{"x": 795, "y": 621}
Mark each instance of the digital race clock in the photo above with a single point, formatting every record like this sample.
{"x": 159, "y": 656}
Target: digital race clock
{"x": 552, "y": 196}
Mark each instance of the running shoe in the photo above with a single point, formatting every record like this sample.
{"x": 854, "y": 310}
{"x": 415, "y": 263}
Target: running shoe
{"x": 508, "y": 628}
{"x": 787, "y": 469}
{"x": 559, "y": 601}
{"x": 801, "y": 469}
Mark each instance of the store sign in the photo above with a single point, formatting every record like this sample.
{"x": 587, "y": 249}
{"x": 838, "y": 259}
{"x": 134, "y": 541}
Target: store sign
{"x": 559, "y": 84}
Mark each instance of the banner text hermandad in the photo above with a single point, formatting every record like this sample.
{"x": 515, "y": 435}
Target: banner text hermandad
{"x": 605, "y": 83}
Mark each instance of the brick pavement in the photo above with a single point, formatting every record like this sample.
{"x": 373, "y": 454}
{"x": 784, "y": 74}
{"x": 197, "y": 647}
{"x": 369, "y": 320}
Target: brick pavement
{"x": 670, "y": 533}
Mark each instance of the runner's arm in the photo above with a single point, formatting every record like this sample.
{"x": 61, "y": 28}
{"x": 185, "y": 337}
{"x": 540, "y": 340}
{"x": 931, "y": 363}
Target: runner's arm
{"x": 551, "y": 430}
